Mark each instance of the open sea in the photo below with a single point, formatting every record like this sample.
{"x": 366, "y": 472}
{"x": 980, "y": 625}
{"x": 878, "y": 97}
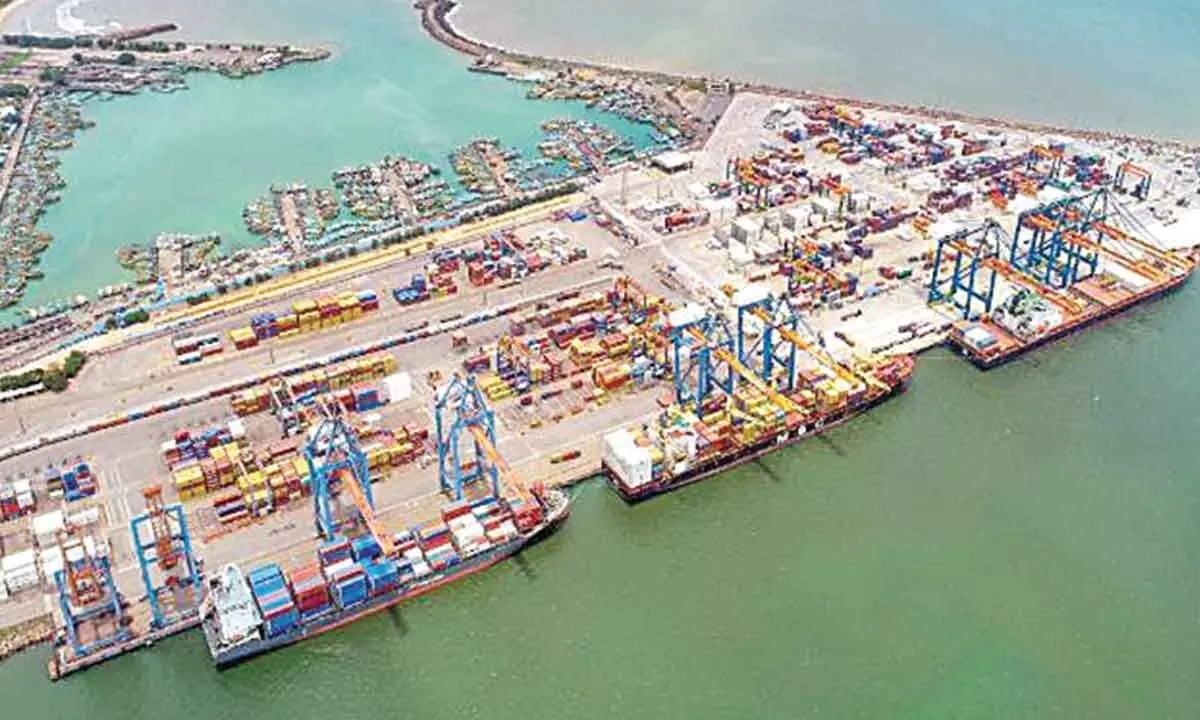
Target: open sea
{"x": 1015, "y": 544}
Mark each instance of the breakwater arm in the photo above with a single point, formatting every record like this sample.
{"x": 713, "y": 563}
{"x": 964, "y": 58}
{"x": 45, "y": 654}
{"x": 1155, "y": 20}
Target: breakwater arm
{"x": 435, "y": 18}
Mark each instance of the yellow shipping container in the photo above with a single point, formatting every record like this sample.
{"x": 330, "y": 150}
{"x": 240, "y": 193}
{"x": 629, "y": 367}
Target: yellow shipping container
{"x": 304, "y": 307}
{"x": 242, "y": 334}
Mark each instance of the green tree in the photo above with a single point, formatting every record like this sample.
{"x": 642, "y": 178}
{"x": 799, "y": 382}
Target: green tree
{"x": 55, "y": 380}
{"x": 126, "y": 58}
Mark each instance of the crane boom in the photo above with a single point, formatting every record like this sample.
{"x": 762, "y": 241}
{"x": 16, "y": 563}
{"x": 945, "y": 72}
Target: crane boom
{"x": 819, "y": 354}
{"x": 781, "y": 401}
{"x": 1083, "y": 241}
{"x": 351, "y": 486}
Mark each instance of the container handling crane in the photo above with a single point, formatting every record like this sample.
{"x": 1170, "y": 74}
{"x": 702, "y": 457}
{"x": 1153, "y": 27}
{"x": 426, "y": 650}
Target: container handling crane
{"x": 336, "y": 463}
{"x": 709, "y": 348}
{"x": 976, "y": 250}
{"x": 460, "y": 408}
{"x": 92, "y": 609}
{"x": 171, "y": 572}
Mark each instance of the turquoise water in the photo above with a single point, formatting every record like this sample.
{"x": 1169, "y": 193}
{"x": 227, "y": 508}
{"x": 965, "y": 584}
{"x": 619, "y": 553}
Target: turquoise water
{"x": 190, "y": 161}
{"x": 1015, "y": 544}
{"x": 1111, "y": 64}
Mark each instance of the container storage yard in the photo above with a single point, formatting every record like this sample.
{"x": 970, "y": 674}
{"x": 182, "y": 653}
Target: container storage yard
{"x": 690, "y": 313}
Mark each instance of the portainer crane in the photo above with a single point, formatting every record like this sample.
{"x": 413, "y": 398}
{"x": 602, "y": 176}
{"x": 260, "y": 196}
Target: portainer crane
{"x": 171, "y": 572}
{"x": 92, "y": 608}
{"x": 979, "y": 260}
{"x": 1141, "y": 188}
{"x": 461, "y": 408}
{"x": 696, "y": 336}
{"x": 336, "y": 463}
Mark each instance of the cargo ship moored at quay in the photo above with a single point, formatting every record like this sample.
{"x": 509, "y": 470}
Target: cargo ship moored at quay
{"x": 248, "y": 614}
{"x": 639, "y": 467}
{"x": 992, "y": 341}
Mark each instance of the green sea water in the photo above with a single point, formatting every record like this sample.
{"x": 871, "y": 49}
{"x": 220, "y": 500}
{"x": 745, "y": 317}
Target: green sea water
{"x": 1012, "y": 544}
{"x": 1015, "y": 544}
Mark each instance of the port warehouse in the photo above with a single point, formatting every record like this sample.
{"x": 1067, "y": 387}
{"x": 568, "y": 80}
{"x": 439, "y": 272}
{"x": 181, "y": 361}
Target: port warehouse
{"x": 834, "y": 256}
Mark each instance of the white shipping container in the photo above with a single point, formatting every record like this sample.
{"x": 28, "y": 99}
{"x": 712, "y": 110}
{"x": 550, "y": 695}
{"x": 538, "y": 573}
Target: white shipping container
{"x": 340, "y": 565}
{"x": 52, "y": 562}
{"x": 626, "y": 459}
{"x": 46, "y": 526}
{"x": 84, "y": 518}
{"x": 18, "y": 581}
{"x": 18, "y": 561}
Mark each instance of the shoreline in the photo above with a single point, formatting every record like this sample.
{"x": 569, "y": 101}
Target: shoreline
{"x": 436, "y": 21}
{"x": 11, "y": 8}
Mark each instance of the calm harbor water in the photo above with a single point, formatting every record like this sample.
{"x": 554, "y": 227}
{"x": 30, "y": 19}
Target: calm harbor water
{"x": 1111, "y": 64}
{"x": 1004, "y": 545}
{"x": 191, "y": 160}
{"x": 1014, "y": 544}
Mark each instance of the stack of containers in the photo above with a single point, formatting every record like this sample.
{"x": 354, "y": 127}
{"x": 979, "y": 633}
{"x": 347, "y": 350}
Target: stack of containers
{"x": 366, "y": 398}
{"x": 496, "y": 520}
{"x": 230, "y": 507}
{"x": 383, "y": 576}
{"x": 78, "y": 483}
{"x": 334, "y": 551}
{"x": 310, "y": 591}
{"x": 250, "y": 401}
{"x": 308, "y": 315}
{"x": 20, "y": 570}
{"x": 368, "y": 300}
{"x": 348, "y": 581}
{"x": 264, "y": 325}
{"x": 364, "y": 548}
{"x": 243, "y": 338}
{"x": 616, "y": 345}
{"x": 256, "y": 493}
{"x": 495, "y": 388}
{"x": 468, "y": 532}
{"x": 9, "y": 508}
{"x": 437, "y": 546}
{"x": 274, "y": 600}
{"x": 526, "y": 510}
{"x": 611, "y": 375}
{"x": 413, "y": 564}
{"x": 26, "y": 502}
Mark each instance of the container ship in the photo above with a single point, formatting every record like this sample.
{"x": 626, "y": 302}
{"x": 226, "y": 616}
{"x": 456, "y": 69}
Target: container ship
{"x": 683, "y": 446}
{"x": 1028, "y": 319}
{"x": 247, "y": 614}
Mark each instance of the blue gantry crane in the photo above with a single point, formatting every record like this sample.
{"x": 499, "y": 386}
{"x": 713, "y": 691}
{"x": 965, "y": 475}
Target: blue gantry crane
{"x": 171, "y": 572}
{"x": 760, "y": 346}
{"x": 336, "y": 462}
{"x": 978, "y": 259}
{"x": 698, "y": 338}
{"x": 461, "y": 408}
{"x": 1050, "y": 245}
{"x": 92, "y": 608}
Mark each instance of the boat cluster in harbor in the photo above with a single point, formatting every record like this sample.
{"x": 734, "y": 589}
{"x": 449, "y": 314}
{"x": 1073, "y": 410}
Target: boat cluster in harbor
{"x": 169, "y": 255}
{"x": 294, "y": 214}
{"x": 584, "y": 146}
{"x": 635, "y": 101}
{"x": 395, "y": 188}
{"x": 31, "y": 182}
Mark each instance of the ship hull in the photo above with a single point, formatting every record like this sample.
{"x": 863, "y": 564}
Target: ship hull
{"x": 721, "y": 463}
{"x": 228, "y": 657}
{"x": 987, "y": 362}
